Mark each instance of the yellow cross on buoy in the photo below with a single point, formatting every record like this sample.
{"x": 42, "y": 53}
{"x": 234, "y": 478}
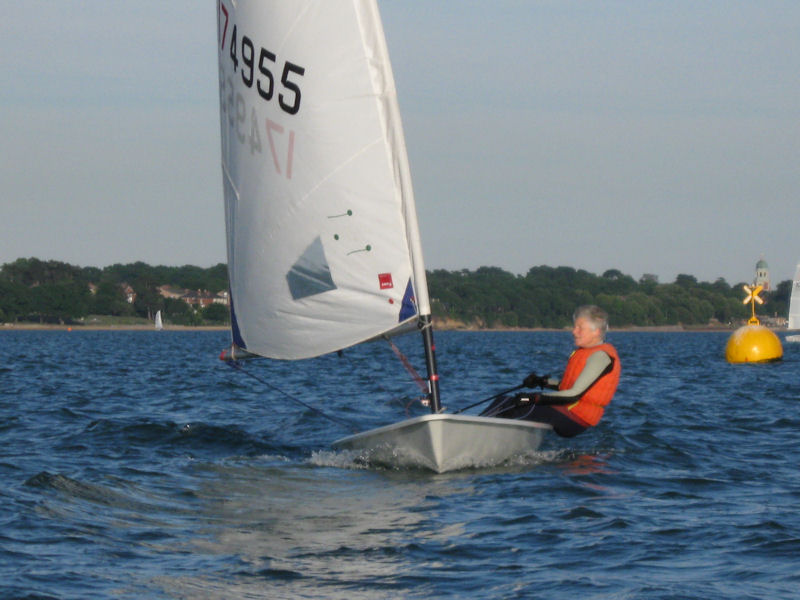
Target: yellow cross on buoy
{"x": 753, "y": 297}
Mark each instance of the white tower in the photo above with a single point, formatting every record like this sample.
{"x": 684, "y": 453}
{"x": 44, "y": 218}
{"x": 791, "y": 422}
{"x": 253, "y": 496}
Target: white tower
{"x": 762, "y": 274}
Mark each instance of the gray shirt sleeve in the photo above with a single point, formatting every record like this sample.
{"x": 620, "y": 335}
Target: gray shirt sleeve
{"x": 597, "y": 365}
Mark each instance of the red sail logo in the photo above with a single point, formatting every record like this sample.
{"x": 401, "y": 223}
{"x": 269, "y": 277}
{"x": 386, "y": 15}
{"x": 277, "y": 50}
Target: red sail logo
{"x": 385, "y": 280}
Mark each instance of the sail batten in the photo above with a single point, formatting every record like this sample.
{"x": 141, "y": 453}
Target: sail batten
{"x": 323, "y": 241}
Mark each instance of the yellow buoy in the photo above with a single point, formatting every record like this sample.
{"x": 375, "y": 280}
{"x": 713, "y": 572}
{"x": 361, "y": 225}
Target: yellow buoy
{"x": 753, "y": 343}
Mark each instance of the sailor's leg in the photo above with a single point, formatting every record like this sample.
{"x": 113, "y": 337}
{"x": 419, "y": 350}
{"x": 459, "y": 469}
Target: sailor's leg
{"x": 557, "y": 417}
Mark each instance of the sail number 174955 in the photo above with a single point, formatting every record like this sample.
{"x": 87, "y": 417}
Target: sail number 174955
{"x": 256, "y": 64}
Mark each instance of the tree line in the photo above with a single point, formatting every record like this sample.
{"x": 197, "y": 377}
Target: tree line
{"x": 57, "y": 292}
{"x": 547, "y": 296}
{"x": 489, "y": 297}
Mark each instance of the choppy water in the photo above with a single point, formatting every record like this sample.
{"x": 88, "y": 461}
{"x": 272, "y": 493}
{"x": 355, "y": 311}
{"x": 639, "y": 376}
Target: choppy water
{"x": 136, "y": 465}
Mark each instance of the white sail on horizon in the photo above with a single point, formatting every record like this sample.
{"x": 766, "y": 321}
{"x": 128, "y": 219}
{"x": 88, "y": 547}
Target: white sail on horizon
{"x": 794, "y": 301}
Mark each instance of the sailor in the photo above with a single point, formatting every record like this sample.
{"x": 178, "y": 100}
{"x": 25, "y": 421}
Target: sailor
{"x": 579, "y": 398}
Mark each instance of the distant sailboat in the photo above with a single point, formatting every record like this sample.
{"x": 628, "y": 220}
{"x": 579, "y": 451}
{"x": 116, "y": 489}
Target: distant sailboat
{"x": 159, "y": 323}
{"x": 323, "y": 244}
{"x": 794, "y": 307}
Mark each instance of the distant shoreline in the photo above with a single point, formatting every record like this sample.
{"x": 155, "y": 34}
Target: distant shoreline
{"x": 632, "y": 328}
{"x": 445, "y": 327}
{"x": 132, "y": 327}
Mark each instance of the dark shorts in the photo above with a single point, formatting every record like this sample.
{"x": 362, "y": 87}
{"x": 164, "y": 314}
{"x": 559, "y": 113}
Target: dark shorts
{"x": 522, "y": 407}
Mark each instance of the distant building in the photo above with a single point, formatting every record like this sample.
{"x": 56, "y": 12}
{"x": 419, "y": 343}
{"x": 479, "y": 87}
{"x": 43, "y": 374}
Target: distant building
{"x": 130, "y": 293}
{"x": 194, "y": 297}
{"x": 762, "y": 274}
{"x": 167, "y": 291}
{"x": 198, "y": 298}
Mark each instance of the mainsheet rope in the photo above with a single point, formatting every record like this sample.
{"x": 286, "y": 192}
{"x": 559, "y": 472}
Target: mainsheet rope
{"x": 403, "y": 359}
{"x": 234, "y": 364}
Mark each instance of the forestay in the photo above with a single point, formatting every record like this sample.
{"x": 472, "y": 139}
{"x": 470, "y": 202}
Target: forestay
{"x": 323, "y": 242}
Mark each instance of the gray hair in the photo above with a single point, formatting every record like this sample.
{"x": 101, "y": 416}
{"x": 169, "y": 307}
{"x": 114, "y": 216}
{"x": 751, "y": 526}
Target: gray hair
{"x": 595, "y": 315}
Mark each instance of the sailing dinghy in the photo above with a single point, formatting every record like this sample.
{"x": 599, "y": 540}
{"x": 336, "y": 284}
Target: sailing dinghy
{"x": 794, "y": 307}
{"x": 322, "y": 237}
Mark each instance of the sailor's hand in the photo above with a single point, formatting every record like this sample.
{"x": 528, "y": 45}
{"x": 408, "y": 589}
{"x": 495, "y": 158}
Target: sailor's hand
{"x": 534, "y": 380}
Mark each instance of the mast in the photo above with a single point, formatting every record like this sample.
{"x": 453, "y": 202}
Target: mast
{"x": 430, "y": 362}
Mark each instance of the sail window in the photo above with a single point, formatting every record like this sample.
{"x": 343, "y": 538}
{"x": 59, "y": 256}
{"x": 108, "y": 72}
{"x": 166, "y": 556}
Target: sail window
{"x": 311, "y": 274}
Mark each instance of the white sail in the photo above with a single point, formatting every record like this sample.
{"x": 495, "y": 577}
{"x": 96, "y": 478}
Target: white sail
{"x": 794, "y": 302}
{"x": 159, "y": 324}
{"x": 323, "y": 242}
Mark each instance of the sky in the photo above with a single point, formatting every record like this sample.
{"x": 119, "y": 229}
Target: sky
{"x": 650, "y": 137}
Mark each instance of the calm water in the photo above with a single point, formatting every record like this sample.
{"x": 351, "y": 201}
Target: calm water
{"x": 137, "y": 465}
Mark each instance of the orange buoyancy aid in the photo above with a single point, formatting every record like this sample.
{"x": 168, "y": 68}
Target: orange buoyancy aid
{"x": 592, "y": 403}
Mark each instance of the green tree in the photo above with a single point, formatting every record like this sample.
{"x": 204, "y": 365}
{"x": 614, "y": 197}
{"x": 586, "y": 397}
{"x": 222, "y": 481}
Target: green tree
{"x": 60, "y": 302}
{"x": 109, "y": 299}
{"x": 32, "y": 272}
{"x": 216, "y": 313}
{"x": 177, "y": 311}
{"x": 15, "y": 300}
{"x": 148, "y": 298}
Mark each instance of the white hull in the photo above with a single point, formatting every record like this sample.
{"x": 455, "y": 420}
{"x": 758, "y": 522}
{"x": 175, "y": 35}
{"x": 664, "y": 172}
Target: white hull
{"x": 445, "y": 442}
